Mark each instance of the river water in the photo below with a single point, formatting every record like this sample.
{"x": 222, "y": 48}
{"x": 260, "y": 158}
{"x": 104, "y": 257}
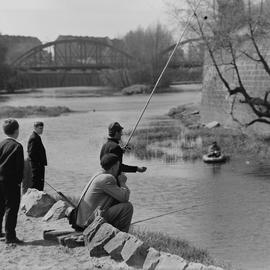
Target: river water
{"x": 231, "y": 202}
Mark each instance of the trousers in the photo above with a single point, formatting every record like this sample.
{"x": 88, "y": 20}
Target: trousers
{"x": 38, "y": 175}
{"x": 119, "y": 216}
{"x": 10, "y": 195}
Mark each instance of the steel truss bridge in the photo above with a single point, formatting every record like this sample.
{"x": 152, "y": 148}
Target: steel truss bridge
{"x": 76, "y": 53}
{"x": 79, "y": 62}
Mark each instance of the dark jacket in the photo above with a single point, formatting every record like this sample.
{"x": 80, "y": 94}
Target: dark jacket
{"x": 11, "y": 161}
{"x": 36, "y": 150}
{"x": 112, "y": 146}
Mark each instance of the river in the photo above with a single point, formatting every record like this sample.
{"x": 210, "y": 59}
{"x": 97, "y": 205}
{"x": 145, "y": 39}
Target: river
{"x": 231, "y": 202}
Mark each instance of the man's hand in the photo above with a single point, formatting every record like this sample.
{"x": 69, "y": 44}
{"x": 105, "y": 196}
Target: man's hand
{"x": 126, "y": 148}
{"x": 122, "y": 178}
{"x": 141, "y": 169}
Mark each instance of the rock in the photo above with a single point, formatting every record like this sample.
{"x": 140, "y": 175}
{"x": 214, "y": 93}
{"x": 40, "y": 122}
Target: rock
{"x": 36, "y": 203}
{"x": 195, "y": 266}
{"x": 116, "y": 244}
{"x": 57, "y": 211}
{"x": 71, "y": 240}
{"x": 171, "y": 262}
{"x": 27, "y": 176}
{"x": 212, "y": 124}
{"x": 194, "y": 112}
{"x": 52, "y": 235}
{"x": 152, "y": 259}
{"x": 91, "y": 230}
{"x": 135, "y": 89}
{"x": 104, "y": 234}
{"x": 134, "y": 252}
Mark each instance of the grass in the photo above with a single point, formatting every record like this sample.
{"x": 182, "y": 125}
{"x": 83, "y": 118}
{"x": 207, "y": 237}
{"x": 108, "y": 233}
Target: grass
{"x": 181, "y": 136}
{"x": 21, "y": 112}
{"x": 182, "y": 248}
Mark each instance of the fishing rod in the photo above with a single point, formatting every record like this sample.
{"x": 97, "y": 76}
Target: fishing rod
{"x": 165, "y": 214}
{"x": 162, "y": 72}
{"x": 62, "y": 195}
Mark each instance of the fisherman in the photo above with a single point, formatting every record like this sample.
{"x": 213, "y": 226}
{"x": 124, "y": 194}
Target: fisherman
{"x": 214, "y": 150}
{"x": 11, "y": 174}
{"x": 105, "y": 195}
{"x": 112, "y": 146}
{"x": 37, "y": 156}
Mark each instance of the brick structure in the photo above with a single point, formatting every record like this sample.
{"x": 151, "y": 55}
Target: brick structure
{"x": 216, "y": 103}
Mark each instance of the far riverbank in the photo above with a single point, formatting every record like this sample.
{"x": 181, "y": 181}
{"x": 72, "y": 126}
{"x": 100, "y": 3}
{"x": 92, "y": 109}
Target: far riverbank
{"x": 181, "y": 135}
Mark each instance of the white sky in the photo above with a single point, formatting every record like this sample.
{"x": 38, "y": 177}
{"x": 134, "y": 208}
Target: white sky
{"x": 46, "y": 19}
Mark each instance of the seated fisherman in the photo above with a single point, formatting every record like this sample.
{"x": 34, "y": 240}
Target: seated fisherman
{"x": 214, "y": 150}
{"x": 103, "y": 193}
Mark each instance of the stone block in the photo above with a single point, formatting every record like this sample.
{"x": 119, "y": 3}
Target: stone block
{"x": 36, "y": 203}
{"x": 71, "y": 240}
{"x": 134, "y": 252}
{"x": 91, "y": 230}
{"x": 151, "y": 259}
{"x": 195, "y": 266}
{"x": 52, "y": 235}
{"x": 57, "y": 211}
{"x": 116, "y": 244}
{"x": 171, "y": 262}
{"x": 102, "y": 236}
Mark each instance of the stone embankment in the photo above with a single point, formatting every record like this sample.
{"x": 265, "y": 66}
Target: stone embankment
{"x": 102, "y": 239}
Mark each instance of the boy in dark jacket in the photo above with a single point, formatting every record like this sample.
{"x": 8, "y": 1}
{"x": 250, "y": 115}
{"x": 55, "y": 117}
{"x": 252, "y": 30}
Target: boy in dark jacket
{"x": 37, "y": 156}
{"x": 11, "y": 174}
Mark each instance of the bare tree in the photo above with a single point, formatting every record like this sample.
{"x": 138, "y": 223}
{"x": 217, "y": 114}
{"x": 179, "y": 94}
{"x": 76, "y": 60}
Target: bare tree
{"x": 235, "y": 31}
{"x": 146, "y": 45}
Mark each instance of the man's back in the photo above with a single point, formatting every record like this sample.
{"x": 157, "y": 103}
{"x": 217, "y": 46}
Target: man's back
{"x": 11, "y": 160}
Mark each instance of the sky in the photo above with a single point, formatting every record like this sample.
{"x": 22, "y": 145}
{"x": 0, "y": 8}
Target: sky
{"x": 46, "y": 19}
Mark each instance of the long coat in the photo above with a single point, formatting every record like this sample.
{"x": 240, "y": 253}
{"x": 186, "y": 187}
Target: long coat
{"x": 36, "y": 150}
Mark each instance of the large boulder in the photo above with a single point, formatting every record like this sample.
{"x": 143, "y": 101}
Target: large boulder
{"x": 57, "y": 211}
{"x": 36, "y": 203}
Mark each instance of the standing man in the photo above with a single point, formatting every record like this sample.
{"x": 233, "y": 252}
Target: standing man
{"x": 112, "y": 146}
{"x": 11, "y": 174}
{"x": 37, "y": 156}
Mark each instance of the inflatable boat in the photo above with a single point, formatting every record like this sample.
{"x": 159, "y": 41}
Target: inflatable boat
{"x": 219, "y": 159}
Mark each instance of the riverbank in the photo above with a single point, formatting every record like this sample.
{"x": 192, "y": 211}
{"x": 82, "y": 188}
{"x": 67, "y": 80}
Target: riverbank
{"x": 37, "y": 253}
{"x": 181, "y": 135}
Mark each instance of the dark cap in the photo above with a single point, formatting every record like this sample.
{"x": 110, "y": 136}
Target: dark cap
{"x": 108, "y": 160}
{"x": 113, "y": 127}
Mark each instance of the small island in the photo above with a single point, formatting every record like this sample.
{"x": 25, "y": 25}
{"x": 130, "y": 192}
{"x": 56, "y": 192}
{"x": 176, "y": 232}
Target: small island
{"x": 32, "y": 111}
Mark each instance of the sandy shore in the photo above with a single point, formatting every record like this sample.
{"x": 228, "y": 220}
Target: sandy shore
{"x": 39, "y": 254}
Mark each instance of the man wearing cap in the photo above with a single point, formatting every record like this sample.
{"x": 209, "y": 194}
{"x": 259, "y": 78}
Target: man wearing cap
{"x": 103, "y": 193}
{"x": 37, "y": 156}
{"x": 112, "y": 146}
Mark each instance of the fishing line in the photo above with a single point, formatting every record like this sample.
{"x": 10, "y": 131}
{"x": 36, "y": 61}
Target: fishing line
{"x": 168, "y": 213}
{"x": 162, "y": 72}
